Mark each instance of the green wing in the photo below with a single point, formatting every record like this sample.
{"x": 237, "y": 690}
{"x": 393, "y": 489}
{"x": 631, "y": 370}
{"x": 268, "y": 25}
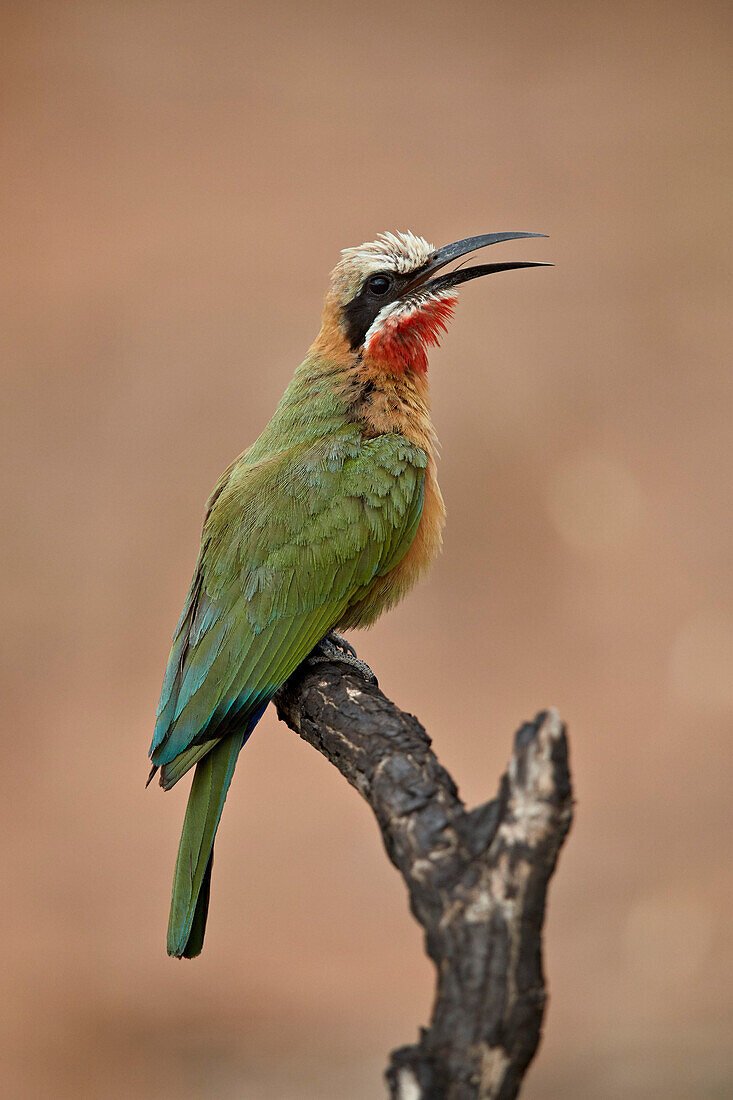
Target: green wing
{"x": 288, "y": 545}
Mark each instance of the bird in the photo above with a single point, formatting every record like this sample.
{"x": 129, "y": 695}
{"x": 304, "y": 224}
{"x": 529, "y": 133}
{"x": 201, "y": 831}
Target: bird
{"x": 325, "y": 522}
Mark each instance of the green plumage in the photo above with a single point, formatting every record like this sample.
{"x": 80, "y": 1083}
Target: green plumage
{"x": 297, "y": 531}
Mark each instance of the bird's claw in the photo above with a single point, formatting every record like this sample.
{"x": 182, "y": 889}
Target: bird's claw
{"x": 335, "y": 648}
{"x": 341, "y": 643}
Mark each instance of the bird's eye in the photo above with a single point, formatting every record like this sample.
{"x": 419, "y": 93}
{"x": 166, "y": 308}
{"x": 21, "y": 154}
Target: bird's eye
{"x": 379, "y": 285}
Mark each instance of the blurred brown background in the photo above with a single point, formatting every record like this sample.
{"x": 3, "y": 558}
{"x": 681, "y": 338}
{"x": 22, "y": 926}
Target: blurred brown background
{"x": 179, "y": 179}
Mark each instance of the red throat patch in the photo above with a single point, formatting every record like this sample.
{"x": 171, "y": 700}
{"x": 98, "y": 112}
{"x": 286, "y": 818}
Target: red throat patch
{"x": 404, "y": 336}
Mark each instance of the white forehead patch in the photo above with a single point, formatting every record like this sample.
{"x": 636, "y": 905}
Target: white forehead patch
{"x": 400, "y": 252}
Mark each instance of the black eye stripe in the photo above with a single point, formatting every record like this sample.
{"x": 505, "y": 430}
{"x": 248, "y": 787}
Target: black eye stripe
{"x": 360, "y": 312}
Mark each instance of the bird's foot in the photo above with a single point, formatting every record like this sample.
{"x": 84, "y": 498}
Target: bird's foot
{"x": 335, "y": 648}
{"x": 341, "y": 643}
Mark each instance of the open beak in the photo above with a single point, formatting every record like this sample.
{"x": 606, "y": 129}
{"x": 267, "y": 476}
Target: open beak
{"x": 426, "y": 283}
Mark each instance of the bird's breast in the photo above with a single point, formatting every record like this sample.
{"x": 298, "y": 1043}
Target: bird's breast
{"x": 386, "y": 591}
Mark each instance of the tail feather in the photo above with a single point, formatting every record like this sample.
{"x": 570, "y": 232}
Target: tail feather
{"x": 195, "y": 941}
{"x": 192, "y": 877}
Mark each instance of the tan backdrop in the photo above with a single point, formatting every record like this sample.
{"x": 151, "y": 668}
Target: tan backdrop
{"x": 179, "y": 179}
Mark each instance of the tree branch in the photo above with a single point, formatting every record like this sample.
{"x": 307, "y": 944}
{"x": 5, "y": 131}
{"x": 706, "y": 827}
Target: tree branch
{"x": 477, "y": 879}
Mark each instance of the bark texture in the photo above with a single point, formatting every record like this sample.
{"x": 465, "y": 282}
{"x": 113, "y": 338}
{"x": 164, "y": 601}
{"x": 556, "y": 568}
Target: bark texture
{"x": 477, "y": 879}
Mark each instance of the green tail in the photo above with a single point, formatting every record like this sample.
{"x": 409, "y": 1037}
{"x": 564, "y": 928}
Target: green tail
{"x": 192, "y": 878}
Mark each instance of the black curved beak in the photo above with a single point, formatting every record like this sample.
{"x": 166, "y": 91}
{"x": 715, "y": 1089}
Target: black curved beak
{"x": 424, "y": 280}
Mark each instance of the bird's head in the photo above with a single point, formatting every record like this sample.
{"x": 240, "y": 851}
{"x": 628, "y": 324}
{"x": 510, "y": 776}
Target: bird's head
{"x": 388, "y": 303}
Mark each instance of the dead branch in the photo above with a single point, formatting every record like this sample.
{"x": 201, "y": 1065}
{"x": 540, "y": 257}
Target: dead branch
{"x": 477, "y": 879}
